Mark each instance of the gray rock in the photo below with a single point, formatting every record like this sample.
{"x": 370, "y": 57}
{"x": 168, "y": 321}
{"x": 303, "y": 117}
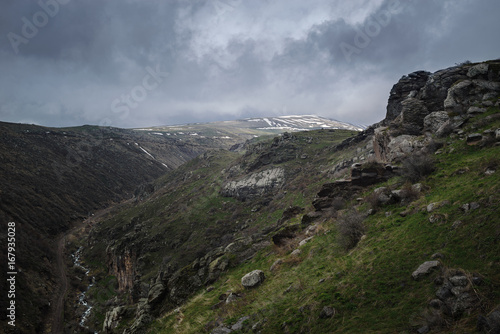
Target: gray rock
{"x": 436, "y": 304}
{"x": 156, "y": 293}
{"x": 327, "y": 312}
{"x": 435, "y": 120}
{"x": 296, "y": 252}
{"x": 231, "y": 298}
{"x": 431, "y": 207}
{"x": 474, "y": 137}
{"x": 457, "y": 93}
{"x": 425, "y": 269}
{"x": 417, "y": 187}
{"x": 474, "y": 206}
{"x": 435, "y": 218}
{"x": 497, "y": 133}
{"x": 221, "y": 330}
{"x": 476, "y": 110}
{"x": 459, "y": 281}
{"x": 443, "y": 293}
{"x": 253, "y": 279}
{"x": 477, "y": 70}
{"x": 305, "y": 241}
{"x": 275, "y": 265}
{"x": 239, "y": 324}
{"x": 112, "y": 319}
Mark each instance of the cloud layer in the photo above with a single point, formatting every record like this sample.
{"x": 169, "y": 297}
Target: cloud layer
{"x": 140, "y": 63}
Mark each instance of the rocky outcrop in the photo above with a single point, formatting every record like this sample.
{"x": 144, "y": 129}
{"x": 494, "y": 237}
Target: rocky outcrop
{"x": 122, "y": 265}
{"x": 407, "y": 87}
{"x": 256, "y": 184}
{"x": 435, "y": 104}
{"x": 112, "y": 319}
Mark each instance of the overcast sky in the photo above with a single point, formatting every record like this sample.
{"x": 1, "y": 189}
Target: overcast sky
{"x": 134, "y": 63}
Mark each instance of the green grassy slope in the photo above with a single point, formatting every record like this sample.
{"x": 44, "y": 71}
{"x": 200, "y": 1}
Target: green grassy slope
{"x": 370, "y": 287}
{"x": 186, "y": 216}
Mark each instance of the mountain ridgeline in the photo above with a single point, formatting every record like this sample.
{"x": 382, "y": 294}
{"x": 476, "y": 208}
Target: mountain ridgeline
{"x": 392, "y": 229}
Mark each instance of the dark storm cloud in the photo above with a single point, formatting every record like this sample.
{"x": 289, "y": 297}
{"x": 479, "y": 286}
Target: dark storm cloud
{"x": 95, "y": 61}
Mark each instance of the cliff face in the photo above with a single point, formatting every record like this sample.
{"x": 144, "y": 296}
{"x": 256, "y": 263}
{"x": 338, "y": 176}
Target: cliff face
{"x": 434, "y": 103}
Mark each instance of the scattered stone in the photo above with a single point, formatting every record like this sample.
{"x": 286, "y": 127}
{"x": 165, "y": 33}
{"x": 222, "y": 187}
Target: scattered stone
{"x": 436, "y": 304}
{"x": 417, "y": 187}
{"x": 489, "y": 172}
{"x": 435, "y": 218}
{"x": 221, "y": 330}
{"x": 456, "y": 224}
{"x": 296, "y": 252}
{"x": 476, "y": 110}
{"x": 311, "y": 230}
{"x": 474, "y": 206}
{"x": 239, "y": 324}
{"x": 210, "y": 288}
{"x": 432, "y": 206}
{"x": 443, "y": 293}
{"x": 327, "y": 312}
{"x": 231, "y": 298}
{"x": 465, "y": 207}
{"x": 253, "y": 279}
{"x": 425, "y": 269}
{"x": 276, "y": 264}
{"x": 497, "y": 133}
{"x": 474, "y": 138}
{"x": 305, "y": 241}
{"x": 459, "y": 281}
{"x": 322, "y": 280}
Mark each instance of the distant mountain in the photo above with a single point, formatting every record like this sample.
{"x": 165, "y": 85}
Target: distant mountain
{"x": 239, "y": 130}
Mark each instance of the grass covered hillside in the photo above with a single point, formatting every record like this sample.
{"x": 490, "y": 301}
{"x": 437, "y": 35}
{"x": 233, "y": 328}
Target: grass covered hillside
{"x": 369, "y": 288}
{"x": 184, "y": 215}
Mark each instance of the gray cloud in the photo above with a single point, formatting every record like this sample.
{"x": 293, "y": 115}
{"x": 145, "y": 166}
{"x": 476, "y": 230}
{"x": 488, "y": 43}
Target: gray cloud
{"x": 91, "y": 61}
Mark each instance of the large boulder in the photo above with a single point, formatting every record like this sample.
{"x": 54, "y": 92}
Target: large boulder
{"x": 425, "y": 269}
{"x": 411, "y": 118}
{"x": 435, "y": 120}
{"x": 253, "y": 279}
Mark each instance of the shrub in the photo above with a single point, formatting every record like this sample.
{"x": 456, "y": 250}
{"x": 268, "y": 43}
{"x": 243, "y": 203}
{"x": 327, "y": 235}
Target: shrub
{"x": 416, "y": 167}
{"x": 351, "y": 228}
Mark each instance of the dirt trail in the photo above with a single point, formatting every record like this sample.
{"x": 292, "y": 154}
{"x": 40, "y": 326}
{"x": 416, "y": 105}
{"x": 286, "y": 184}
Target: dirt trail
{"x": 57, "y": 320}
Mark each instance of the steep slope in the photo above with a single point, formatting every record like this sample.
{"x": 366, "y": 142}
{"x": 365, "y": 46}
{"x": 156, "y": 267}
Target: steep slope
{"x": 190, "y": 218}
{"x": 344, "y": 232}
